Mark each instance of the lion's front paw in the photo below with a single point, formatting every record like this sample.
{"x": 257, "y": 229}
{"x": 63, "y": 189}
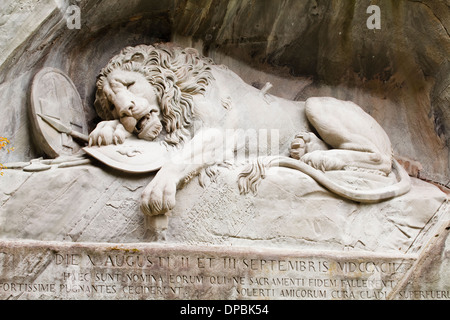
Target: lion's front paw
{"x": 321, "y": 161}
{"x": 304, "y": 143}
{"x": 159, "y": 196}
{"x": 108, "y": 132}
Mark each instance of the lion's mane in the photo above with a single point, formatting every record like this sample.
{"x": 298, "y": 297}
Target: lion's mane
{"x": 177, "y": 74}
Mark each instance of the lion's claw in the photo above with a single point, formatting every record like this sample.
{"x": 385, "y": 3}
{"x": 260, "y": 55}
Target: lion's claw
{"x": 108, "y": 132}
{"x": 159, "y": 196}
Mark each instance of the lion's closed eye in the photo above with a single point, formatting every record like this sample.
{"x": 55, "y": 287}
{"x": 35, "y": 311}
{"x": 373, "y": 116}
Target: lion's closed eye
{"x": 125, "y": 83}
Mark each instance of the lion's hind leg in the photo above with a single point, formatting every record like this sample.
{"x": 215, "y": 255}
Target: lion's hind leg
{"x": 357, "y": 140}
{"x": 308, "y": 148}
{"x": 342, "y": 159}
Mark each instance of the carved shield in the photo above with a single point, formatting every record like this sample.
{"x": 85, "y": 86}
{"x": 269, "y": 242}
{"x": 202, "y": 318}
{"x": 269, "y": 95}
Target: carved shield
{"x": 54, "y": 95}
{"x": 134, "y": 155}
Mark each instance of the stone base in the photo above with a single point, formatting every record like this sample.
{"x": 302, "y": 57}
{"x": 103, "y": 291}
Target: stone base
{"x": 92, "y": 204}
{"x": 218, "y": 244}
{"x": 58, "y": 270}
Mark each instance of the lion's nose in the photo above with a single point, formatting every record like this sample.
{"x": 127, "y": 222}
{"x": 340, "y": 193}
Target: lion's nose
{"x": 127, "y": 110}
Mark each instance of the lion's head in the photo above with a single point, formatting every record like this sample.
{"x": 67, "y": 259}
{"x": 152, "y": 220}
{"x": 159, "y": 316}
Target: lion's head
{"x": 150, "y": 86}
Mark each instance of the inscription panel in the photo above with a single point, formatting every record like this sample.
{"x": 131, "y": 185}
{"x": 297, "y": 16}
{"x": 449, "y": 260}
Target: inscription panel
{"x": 42, "y": 270}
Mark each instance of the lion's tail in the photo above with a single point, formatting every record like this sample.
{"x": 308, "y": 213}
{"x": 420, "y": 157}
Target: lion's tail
{"x": 251, "y": 177}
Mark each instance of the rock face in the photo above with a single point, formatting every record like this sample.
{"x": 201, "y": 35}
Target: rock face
{"x": 399, "y": 73}
{"x": 91, "y": 204}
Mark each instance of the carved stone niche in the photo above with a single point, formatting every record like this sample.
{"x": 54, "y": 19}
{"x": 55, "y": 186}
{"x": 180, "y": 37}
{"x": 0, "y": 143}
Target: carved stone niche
{"x": 198, "y": 182}
{"x": 342, "y": 195}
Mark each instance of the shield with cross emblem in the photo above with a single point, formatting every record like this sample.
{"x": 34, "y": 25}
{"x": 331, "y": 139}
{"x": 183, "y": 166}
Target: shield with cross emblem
{"x": 53, "y": 95}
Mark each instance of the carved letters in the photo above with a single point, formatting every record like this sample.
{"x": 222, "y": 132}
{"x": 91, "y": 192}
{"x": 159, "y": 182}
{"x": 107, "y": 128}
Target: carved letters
{"x": 155, "y": 273}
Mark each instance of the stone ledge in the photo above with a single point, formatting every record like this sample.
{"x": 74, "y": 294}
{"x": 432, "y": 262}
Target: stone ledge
{"x": 35, "y": 206}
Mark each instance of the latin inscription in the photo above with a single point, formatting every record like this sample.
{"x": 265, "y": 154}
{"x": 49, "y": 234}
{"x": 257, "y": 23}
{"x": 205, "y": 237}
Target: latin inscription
{"x": 149, "y": 273}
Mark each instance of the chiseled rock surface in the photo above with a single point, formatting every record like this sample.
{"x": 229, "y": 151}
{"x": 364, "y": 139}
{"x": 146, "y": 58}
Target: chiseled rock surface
{"x": 290, "y": 210}
{"x": 428, "y": 279}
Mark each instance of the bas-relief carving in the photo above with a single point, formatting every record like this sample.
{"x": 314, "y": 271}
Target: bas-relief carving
{"x": 170, "y": 112}
{"x": 171, "y": 96}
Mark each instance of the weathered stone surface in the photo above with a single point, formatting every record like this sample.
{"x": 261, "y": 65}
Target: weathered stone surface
{"x": 52, "y": 270}
{"x": 429, "y": 271}
{"x": 61, "y": 270}
{"x": 306, "y": 215}
{"x": 92, "y": 204}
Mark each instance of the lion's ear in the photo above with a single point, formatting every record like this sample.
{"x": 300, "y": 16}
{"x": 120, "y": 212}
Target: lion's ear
{"x": 137, "y": 57}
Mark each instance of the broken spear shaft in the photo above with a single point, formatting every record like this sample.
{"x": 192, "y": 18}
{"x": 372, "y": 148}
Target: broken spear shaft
{"x": 60, "y": 127}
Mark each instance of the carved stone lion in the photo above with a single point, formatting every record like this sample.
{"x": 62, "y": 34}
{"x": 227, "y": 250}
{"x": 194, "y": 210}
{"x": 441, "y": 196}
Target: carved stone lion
{"x": 173, "y": 94}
